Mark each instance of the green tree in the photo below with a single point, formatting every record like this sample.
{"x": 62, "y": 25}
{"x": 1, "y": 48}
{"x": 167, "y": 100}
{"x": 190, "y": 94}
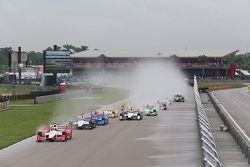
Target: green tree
{"x": 173, "y": 58}
{"x": 4, "y": 53}
{"x": 203, "y": 60}
{"x": 49, "y": 49}
{"x": 35, "y": 58}
{"x": 73, "y": 49}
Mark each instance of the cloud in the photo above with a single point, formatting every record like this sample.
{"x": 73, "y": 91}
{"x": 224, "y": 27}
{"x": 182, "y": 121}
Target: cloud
{"x": 144, "y": 25}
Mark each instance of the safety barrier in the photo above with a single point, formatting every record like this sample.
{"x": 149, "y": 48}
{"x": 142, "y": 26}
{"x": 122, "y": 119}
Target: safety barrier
{"x": 238, "y": 134}
{"x": 4, "y": 105}
{"x": 44, "y": 99}
{"x": 210, "y": 154}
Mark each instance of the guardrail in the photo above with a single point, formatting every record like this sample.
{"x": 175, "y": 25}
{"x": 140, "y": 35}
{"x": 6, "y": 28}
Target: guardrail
{"x": 4, "y": 105}
{"x": 210, "y": 154}
{"x": 44, "y": 99}
{"x": 238, "y": 134}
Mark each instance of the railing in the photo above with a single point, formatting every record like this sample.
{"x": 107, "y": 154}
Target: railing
{"x": 238, "y": 134}
{"x": 210, "y": 154}
{"x": 44, "y": 99}
{"x": 200, "y": 65}
{"x": 4, "y": 105}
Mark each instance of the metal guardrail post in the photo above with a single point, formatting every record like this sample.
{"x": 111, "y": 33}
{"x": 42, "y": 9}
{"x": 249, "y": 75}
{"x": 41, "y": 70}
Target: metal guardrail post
{"x": 248, "y": 155}
{"x": 245, "y": 150}
{"x": 4, "y": 105}
{"x": 210, "y": 154}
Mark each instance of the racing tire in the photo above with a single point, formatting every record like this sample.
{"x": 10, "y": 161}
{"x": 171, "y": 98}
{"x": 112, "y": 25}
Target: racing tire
{"x": 65, "y": 136}
{"x": 65, "y": 139}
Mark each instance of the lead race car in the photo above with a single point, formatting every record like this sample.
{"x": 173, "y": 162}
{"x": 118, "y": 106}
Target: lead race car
{"x": 132, "y": 114}
{"x": 150, "y": 111}
{"x": 54, "y": 132}
{"x": 84, "y": 122}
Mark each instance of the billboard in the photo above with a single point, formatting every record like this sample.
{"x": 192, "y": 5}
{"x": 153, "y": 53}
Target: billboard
{"x": 56, "y": 62}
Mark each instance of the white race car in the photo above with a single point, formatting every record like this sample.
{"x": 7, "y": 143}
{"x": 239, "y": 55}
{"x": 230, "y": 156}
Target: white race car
{"x": 84, "y": 122}
{"x": 133, "y": 114}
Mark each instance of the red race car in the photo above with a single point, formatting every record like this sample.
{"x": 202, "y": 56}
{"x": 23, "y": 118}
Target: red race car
{"x": 54, "y": 133}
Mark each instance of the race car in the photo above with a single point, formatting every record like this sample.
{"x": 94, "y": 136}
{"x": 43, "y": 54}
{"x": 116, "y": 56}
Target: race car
{"x": 126, "y": 106}
{"x": 101, "y": 118}
{"x": 132, "y": 114}
{"x": 179, "y": 98}
{"x": 150, "y": 111}
{"x": 112, "y": 113}
{"x": 84, "y": 122}
{"x": 54, "y": 132}
{"x": 163, "y": 106}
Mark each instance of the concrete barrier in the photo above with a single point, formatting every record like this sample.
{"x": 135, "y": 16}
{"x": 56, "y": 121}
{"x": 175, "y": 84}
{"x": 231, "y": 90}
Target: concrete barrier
{"x": 236, "y": 131}
{"x": 4, "y": 105}
{"x": 44, "y": 99}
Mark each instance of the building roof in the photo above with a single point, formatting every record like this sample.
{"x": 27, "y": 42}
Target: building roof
{"x": 96, "y": 53}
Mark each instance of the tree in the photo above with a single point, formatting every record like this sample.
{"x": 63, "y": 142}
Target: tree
{"x": 203, "y": 60}
{"x": 73, "y": 49}
{"x": 36, "y": 58}
{"x": 49, "y": 49}
{"x": 173, "y": 58}
{"x": 4, "y": 53}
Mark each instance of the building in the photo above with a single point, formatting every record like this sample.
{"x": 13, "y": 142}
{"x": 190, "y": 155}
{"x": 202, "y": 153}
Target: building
{"x": 14, "y": 60}
{"x": 203, "y": 67}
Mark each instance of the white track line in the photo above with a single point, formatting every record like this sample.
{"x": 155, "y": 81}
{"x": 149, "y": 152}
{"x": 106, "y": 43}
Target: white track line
{"x": 32, "y": 137}
{"x": 245, "y": 135}
{"x": 16, "y": 144}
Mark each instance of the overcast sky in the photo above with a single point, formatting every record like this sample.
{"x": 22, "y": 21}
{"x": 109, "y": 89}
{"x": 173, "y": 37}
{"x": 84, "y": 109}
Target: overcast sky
{"x": 127, "y": 25}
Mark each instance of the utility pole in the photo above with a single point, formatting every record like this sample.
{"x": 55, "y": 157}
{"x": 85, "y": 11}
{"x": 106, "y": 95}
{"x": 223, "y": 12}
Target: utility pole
{"x": 55, "y": 74}
{"x": 19, "y": 61}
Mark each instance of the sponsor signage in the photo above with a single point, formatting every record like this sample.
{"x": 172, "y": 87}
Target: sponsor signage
{"x": 56, "y": 62}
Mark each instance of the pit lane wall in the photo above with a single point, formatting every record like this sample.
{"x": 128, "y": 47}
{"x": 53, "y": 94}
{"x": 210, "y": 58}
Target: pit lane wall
{"x": 4, "y": 105}
{"x": 209, "y": 150}
{"x": 238, "y": 134}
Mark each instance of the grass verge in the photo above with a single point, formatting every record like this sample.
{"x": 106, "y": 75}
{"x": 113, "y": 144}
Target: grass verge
{"x": 219, "y": 86}
{"x": 22, "y": 121}
{"x": 16, "y": 90}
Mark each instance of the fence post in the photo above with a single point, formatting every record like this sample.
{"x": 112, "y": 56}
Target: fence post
{"x": 248, "y": 155}
{"x": 35, "y": 100}
{"x": 246, "y": 151}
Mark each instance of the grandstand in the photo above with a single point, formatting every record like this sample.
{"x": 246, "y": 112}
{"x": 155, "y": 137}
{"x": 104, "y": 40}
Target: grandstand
{"x": 92, "y": 60}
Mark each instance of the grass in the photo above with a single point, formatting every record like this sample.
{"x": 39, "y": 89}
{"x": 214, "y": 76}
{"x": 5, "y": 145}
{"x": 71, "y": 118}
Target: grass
{"x": 16, "y": 90}
{"x": 219, "y": 86}
{"x": 20, "y": 122}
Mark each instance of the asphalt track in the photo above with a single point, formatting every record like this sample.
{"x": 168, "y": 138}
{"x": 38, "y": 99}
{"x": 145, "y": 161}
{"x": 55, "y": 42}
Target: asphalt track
{"x": 237, "y": 103}
{"x": 170, "y": 139}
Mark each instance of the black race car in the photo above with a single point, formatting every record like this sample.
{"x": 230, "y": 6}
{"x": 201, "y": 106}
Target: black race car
{"x": 179, "y": 98}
